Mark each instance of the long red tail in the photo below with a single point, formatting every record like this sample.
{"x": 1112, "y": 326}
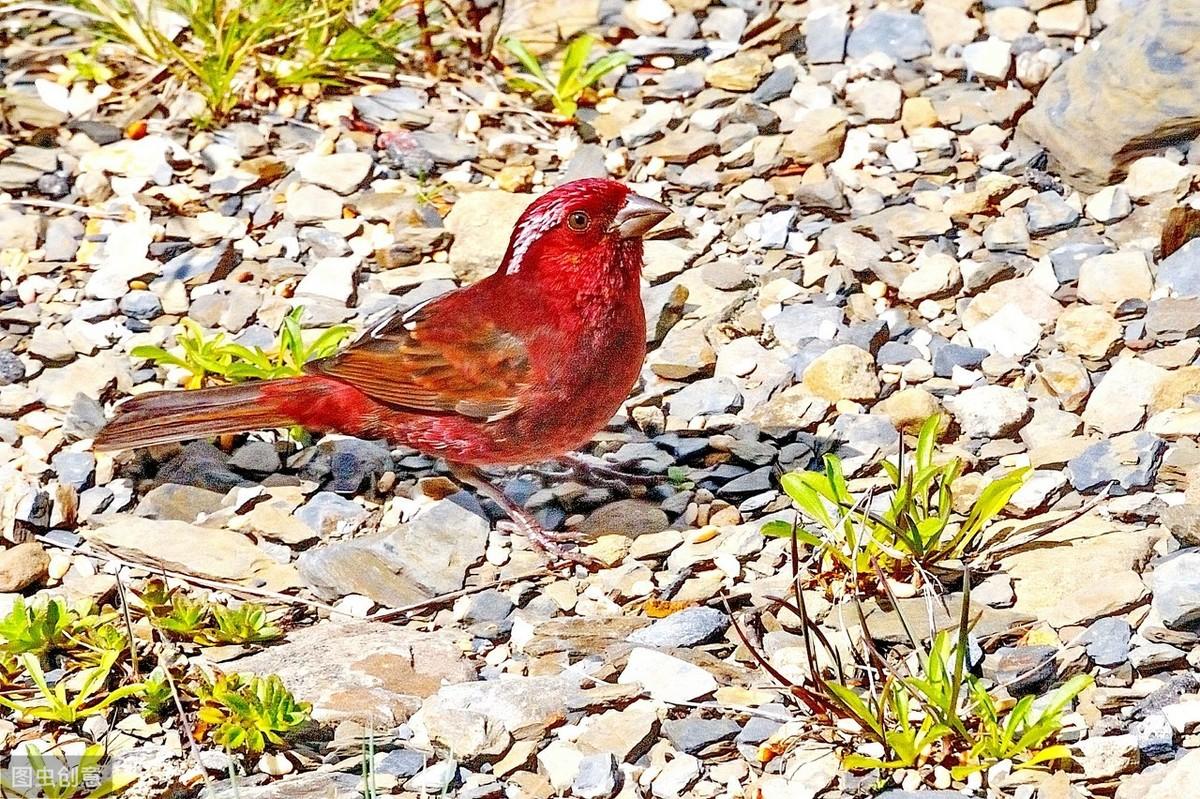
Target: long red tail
{"x": 161, "y": 417}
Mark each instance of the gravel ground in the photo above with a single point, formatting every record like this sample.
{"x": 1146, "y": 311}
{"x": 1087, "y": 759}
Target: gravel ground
{"x": 881, "y": 211}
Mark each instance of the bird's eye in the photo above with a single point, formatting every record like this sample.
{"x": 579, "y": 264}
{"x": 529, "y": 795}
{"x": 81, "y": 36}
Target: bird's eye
{"x": 578, "y": 220}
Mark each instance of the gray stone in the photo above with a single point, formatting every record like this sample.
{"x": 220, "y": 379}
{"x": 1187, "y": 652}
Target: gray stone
{"x": 1170, "y": 319}
{"x": 12, "y": 370}
{"x": 1180, "y": 271}
{"x": 597, "y": 777}
{"x": 401, "y": 762}
{"x": 1156, "y": 738}
{"x": 1175, "y": 582}
{"x": 256, "y": 456}
{"x": 948, "y": 356}
{"x": 327, "y": 513}
{"x": 1126, "y": 462}
{"x": 1048, "y": 212}
{"x": 1107, "y": 641}
{"x": 825, "y": 34}
{"x": 693, "y": 735}
{"x": 140, "y": 304}
{"x": 899, "y": 34}
{"x": 780, "y": 82}
{"x": 74, "y": 468}
{"x": 1067, "y": 259}
{"x": 705, "y": 397}
{"x": 1022, "y": 669}
{"x": 688, "y": 627}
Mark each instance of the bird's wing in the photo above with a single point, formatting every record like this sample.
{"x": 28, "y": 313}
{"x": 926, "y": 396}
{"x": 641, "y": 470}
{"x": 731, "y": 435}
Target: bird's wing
{"x": 432, "y": 360}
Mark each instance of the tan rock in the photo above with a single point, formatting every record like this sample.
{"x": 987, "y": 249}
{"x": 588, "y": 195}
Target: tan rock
{"x": 22, "y": 566}
{"x": 481, "y": 222}
{"x": 179, "y": 546}
{"x": 917, "y": 113}
{"x": 818, "y": 137}
{"x": 1088, "y": 331}
{"x": 844, "y": 372}
{"x": 1082, "y": 571}
{"x": 1080, "y": 100}
{"x": 908, "y": 408}
{"x": 1174, "y": 387}
{"x": 1115, "y": 277}
{"x": 1119, "y": 403}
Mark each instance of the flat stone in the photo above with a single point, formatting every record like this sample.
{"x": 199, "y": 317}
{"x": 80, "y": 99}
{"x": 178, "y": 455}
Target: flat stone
{"x": 898, "y": 34}
{"x": 341, "y": 172}
{"x": 1176, "y": 585}
{"x": 1085, "y": 570}
{"x": 688, "y": 627}
{"x": 1125, "y": 463}
{"x": 665, "y": 677}
{"x": 1115, "y": 277}
{"x": 201, "y": 551}
{"x": 1107, "y": 641}
{"x": 423, "y": 558}
{"x": 369, "y": 672}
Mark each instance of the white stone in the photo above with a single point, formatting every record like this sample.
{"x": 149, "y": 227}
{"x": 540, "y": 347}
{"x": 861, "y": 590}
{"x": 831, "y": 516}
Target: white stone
{"x": 666, "y": 678}
{"x": 990, "y": 59}
{"x": 1109, "y": 204}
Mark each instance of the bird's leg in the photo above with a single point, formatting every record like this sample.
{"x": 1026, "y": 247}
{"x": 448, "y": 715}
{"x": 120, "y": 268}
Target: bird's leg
{"x": 605, "y": 476}
{"x": 548, "y": 542}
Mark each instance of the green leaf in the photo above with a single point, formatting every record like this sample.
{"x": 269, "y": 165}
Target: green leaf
{"x": 604, "y": 65}
{"x": 525, "y": 59}
{"x": 573, "y": 62}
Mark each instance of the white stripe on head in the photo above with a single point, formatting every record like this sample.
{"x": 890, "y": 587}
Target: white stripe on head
{"x": 531, "y": 229}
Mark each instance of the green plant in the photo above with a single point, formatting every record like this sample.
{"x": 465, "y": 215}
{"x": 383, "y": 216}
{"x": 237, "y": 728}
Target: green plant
{"x": 245, "y": 624}
{"x": 157, "y": 699}
{"x": 185, "y": 617}
{"x": 226, "y": 50}
{"x": 975, "y": 732}
{"x": 251, "y": 714}
{"x": 53, "y": 704}
{"x": 208, "y": 357}
{"x": 62, "y": 777}
{"x": 928, "y": 709}
{"x": 38, "y": 629}
{"x": 575, "y": 75}
{"x": 918, "y": 526}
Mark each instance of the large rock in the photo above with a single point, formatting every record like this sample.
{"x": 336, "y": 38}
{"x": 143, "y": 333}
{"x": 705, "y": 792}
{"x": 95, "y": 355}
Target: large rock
{"x": 201, "y": 551}
{"x": 1083, "y": 571}
{"x": 425, "y": 557}
{"x": 1142, "y": 71}
{"x": 481, "y": 222}
{"x": 369, "y": 672}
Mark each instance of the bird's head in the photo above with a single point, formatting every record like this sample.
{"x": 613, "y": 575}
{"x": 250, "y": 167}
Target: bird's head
{"x": 585, "y": 230}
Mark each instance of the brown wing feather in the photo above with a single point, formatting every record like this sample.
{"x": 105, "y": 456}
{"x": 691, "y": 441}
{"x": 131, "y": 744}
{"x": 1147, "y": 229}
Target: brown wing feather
{"x": 430, "y": 361}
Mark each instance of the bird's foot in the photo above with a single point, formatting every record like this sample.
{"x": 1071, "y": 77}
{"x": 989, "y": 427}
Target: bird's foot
{"x": 550, "y": 543}
{"x": 594, "y": 473}
{"x": 546, "y": 542}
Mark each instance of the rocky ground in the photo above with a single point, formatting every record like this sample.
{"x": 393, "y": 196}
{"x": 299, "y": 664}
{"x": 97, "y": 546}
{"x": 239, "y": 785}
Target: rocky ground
{"x": 882, "y": 211}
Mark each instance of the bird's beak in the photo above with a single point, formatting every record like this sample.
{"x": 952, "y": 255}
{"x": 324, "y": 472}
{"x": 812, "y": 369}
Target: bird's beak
{"x": 637, "y": 216}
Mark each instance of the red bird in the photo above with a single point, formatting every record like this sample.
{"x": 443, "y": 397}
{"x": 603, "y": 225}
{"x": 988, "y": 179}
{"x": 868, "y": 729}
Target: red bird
{"x": 521, "y": 367}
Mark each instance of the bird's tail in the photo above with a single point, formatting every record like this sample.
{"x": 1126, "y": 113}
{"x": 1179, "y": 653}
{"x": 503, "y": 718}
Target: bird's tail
{"x": 161, "y": 417}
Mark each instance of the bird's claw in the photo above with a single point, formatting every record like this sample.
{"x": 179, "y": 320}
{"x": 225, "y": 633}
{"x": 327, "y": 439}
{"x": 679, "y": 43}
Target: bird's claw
{"x": 549, "y": 543}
